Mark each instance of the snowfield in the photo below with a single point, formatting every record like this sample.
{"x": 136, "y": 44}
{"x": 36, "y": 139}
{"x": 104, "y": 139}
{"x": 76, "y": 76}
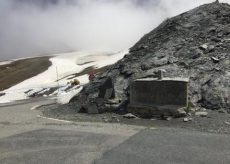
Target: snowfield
{"x": 62, "y": 70}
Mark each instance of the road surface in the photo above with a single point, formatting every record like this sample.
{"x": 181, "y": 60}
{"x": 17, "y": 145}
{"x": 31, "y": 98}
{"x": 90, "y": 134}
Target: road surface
{"x": 28, "y": 138}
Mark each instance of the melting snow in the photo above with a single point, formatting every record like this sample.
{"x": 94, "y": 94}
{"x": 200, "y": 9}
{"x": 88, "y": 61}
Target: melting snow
{"x": 5, "y": 62}
{"x": 63, "y": 67}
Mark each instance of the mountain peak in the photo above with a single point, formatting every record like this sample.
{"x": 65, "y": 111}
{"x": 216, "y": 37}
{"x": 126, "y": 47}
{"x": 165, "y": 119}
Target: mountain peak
{"x": 194, "y": 44}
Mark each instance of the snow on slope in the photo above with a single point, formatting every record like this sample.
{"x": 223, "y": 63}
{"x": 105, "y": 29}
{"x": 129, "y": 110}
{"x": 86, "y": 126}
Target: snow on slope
{"x": 5, "y": 62}
{"x": 63, "y": 66}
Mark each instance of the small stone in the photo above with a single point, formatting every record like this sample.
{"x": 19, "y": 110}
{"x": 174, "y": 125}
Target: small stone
{"x": 202, "y": 109}
{"x": 128, "y": 72}
{"x": 145, "y": 67}
{"x": 204, "y": 47}
{"x": 212, "y": 29}
{"x": 216, "y": 39}
{"x": 201, "y": 114}
{"x": 181, "y": 112}
{"x": 161, "y": 62}
{"x": 169, "y": 118}
{"x": 172, "y": 60}
{"x": 221, "y": 111}
{"x": 186, "y": 119}
{"x": 215, "y": 60}
{"x": 190, "y": 119}
{"x": 106, "y": 120}
{"x": 114, "y": 117}
{"x": 113, "y": 101}
{"x": 211, "y": 48}
{"x": 217, "y": 69}
{"x": 227, "y": 123}
{"x": 129, "y": 116}
{"x": 197, "y": 54}
{"x": 137, "y": 118}
{"x": 117, "y": 120}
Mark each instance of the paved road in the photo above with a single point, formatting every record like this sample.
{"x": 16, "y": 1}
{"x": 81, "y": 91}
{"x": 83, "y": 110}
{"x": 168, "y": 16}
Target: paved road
{"x": 27, "y": 138}
{"x": 170, "y": 146}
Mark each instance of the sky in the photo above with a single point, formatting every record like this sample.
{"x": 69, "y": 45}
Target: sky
{"x": 41, "y": 27}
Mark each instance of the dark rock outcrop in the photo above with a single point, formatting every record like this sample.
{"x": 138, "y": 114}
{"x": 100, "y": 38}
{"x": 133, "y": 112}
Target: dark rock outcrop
{"x": 195, "y": 44}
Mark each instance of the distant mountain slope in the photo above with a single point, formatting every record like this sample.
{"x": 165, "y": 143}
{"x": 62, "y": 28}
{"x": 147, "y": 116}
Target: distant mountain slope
{"x": 20, "y": 70}
{"x": 195, "y": 44}
{"x": 46, "y": 3}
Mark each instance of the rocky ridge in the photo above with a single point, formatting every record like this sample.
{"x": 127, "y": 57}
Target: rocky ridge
{"x": 194, "y": 44}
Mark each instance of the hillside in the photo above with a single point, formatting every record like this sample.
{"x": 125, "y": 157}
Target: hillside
{"x": 52, "y": 76}
{"x": 195, "y": 44}
{"x": 20, "y": 70}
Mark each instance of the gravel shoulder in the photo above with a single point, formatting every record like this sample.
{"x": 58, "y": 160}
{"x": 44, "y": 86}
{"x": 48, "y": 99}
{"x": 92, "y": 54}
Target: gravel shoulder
{"x": 215, "y": 122}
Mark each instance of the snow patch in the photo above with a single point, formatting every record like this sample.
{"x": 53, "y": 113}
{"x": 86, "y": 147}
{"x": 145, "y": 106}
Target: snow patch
{"x": 5, "y": 62}
{"x": 65, "y": 97}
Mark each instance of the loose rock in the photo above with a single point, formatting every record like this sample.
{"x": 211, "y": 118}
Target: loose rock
{"x": 129, "y": 116}
{"x": 204, "y": 46}
{"x": 186, "y": 120}
{"x": 215, "y": 60}
{"x": 201, "y": 114}
{"x": 169, "y": 118}
{"x": 227, "y": 123}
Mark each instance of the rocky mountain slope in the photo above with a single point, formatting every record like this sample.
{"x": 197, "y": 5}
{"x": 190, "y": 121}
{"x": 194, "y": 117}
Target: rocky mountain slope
{"x": 195, "y": 44}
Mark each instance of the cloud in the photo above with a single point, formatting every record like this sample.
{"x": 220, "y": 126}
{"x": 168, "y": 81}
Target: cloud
{"x": 32, "y": 27}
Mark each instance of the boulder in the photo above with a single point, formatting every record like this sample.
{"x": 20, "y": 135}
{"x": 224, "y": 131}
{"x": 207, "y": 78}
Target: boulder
{"x": 92, "y": 108}
{"x": 106, "y": 90}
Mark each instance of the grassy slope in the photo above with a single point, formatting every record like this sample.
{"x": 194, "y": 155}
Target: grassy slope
{"x": 18, "y": 71}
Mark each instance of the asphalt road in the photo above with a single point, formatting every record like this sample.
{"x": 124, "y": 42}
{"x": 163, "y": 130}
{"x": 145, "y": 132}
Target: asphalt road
{"x": 28, "y": 138}
{"x": 170, "y": 146}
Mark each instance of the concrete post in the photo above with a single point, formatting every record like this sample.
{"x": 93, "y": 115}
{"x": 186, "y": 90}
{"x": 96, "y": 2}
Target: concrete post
{"x": 160, "y": 74}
